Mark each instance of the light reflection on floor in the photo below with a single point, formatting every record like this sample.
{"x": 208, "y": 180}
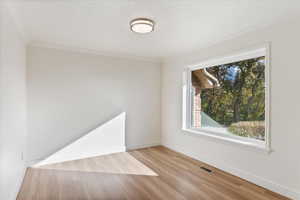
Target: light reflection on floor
{"x": 117, "y": 163}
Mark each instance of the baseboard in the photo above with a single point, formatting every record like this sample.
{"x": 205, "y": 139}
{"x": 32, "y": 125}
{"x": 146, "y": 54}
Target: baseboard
{"x": 33, "y": 162}
{"x": 285, "y": 191}
{"x": 36, "y": 162}
{"x": 133, "y": 147}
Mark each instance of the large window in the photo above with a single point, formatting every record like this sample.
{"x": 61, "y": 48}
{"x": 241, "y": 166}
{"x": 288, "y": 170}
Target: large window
{"x": 227, "y": 98}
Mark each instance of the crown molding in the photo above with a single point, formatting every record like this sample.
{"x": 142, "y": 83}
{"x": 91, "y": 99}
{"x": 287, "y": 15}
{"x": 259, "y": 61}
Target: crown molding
{"x": 92, "y": 51}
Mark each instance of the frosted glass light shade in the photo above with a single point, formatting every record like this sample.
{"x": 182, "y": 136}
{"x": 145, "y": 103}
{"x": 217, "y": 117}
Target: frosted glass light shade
{"x": 142, "y": 25}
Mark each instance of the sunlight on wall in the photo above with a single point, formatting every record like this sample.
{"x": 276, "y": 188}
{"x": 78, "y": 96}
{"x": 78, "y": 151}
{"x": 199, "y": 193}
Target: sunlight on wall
{"x": 106, "y": 139}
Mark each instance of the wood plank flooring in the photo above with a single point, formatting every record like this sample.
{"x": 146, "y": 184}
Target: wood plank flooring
{"x": 155, "y": 173}
{"x": 117, "y": 163}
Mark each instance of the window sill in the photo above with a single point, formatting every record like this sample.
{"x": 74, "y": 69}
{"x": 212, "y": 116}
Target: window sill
{"x": 249, "y": 144}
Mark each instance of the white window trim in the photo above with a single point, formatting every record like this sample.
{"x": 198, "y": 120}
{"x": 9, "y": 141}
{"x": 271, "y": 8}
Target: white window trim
{"x": 262, "y": 50}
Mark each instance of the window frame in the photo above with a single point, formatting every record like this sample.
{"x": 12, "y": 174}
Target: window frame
{"x": 262, "y": 50}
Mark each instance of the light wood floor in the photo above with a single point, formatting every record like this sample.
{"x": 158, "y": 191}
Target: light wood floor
{"x": 152, "y": 173}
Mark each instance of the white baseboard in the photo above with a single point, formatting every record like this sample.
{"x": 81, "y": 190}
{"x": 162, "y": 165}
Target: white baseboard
{"x": 285, "y": 191}
{"x": 33, "y": 162}
{"x": 37, "y": 162}
{"x": 133, "y": 147}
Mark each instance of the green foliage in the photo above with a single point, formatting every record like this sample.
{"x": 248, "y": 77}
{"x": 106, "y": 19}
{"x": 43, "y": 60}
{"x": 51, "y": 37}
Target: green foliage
{"x": 254, "y": 129}
{"x": 241, "y": 95}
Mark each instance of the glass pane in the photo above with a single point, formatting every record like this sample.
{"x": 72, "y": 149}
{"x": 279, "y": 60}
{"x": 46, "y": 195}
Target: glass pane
{"x": 230, "y": 98}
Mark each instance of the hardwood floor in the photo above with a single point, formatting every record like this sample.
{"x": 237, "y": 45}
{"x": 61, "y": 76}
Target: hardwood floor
{"x": 152, "y": 173}
{"x": 117, "y": 163}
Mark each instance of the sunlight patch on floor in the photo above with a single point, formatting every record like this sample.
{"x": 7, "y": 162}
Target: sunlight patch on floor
{"x": 117, "y": 163}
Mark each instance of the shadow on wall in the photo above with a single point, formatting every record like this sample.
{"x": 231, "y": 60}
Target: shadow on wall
{"x": 106, "y": 139}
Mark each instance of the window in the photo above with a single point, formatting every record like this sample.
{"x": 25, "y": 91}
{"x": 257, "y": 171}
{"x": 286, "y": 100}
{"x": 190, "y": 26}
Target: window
{"x": 227, "y": 98}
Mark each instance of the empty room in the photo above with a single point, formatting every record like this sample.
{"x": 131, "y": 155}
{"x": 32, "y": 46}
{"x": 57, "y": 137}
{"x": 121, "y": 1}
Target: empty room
{"x": 149, "y": 100}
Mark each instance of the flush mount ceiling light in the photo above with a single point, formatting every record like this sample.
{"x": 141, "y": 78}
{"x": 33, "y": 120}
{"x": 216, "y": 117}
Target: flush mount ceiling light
{"x": 142, "y": 25}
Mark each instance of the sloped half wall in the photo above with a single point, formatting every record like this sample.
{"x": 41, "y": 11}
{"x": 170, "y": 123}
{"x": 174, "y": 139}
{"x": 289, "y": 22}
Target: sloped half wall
{"x": 107, "y": 138}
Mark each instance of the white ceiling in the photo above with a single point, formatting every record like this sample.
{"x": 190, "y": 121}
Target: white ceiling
{"x": 182, "y": 25}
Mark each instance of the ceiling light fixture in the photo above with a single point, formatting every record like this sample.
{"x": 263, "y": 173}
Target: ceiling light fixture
{"x": 142, "y": 25}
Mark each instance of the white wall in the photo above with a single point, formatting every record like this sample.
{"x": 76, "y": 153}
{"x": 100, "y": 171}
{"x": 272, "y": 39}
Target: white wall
{"x": 12, "y": 105}
{"x": 280, "y": 170}
{"x": 108, "y": 138}
{"x": 71, "y": 93}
